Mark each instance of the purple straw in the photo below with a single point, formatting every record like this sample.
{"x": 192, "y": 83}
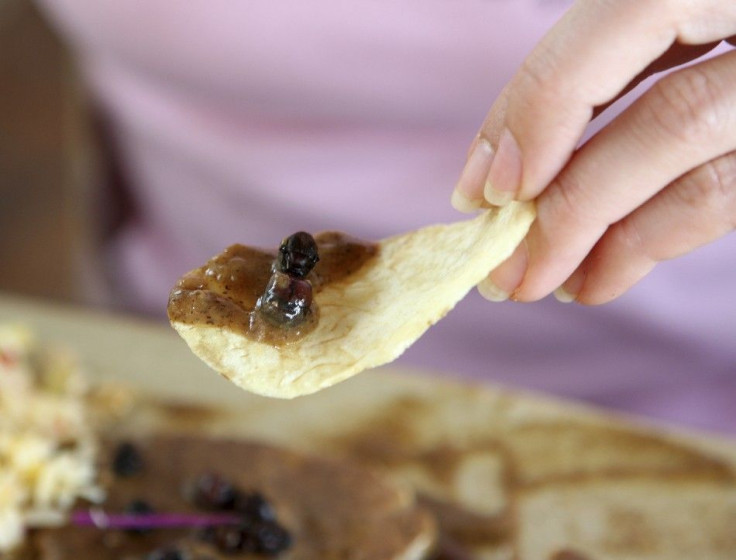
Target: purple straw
{"x": 102, "y": 520}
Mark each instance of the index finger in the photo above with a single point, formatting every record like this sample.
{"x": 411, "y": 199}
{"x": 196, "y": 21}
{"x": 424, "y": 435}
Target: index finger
{"x": 585, "y": 61}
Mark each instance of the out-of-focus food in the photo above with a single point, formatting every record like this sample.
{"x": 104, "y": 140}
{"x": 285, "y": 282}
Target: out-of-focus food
{"x": 47, "y": 444}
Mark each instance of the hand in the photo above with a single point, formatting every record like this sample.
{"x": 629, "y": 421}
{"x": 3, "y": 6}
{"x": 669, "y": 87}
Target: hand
{"x": 655, "y": 183}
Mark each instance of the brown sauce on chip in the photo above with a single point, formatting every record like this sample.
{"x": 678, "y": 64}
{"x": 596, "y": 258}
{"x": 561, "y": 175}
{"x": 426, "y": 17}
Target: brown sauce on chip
{"x": 224, "y": 291}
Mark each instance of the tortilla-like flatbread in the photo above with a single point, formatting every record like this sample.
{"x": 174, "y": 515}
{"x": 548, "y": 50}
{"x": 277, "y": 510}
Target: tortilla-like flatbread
{"x": 328, "y": 506}
{"x": 372, "y": 316}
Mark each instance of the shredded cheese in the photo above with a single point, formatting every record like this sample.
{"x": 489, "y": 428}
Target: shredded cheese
{"x": 47, "y": 445}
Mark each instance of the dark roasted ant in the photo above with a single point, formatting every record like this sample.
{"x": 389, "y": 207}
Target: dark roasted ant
{"x": 288, "y": 295}
{"x": 297, "y": 255}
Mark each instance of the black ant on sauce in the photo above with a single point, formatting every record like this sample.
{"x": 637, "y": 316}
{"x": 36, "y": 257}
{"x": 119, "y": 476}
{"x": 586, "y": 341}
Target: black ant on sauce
{"x": 287, "y": 299}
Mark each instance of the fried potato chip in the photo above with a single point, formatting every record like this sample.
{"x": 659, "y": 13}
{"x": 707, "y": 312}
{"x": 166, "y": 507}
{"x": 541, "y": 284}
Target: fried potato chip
{"x": 373, "y": 315}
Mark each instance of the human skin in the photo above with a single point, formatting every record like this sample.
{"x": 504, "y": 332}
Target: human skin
{"x": 655, "y": 183}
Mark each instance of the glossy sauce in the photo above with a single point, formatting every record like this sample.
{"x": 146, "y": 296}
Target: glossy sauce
{"x": 224, "y": 291}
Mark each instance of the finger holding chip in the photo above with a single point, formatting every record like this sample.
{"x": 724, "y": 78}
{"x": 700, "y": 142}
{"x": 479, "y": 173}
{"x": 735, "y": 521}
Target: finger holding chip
{"x": 529, "y": 144}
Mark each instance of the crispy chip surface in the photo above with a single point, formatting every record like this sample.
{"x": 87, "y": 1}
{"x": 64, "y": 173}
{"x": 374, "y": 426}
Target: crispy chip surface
{"x": 375, "y": 314}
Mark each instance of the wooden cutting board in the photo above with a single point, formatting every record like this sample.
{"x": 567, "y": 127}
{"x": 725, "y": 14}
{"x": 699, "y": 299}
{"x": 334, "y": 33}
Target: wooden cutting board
{"x": 510, "y": 475}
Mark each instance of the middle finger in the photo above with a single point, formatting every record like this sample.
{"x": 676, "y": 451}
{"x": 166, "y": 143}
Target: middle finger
{"x": 686, "y": 119}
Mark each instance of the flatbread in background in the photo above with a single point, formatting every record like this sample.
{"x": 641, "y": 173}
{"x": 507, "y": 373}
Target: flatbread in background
{"x": 370, "y": 318}
{"x": 327, "y": 507}
{"x": 508, "y": 476}
{"x": 644, "y": 517}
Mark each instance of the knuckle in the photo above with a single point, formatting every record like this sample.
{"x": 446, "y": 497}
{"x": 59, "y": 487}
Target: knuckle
{"x": 712, "y": 187}
{"x": 685, "y": 105}
{"x": 537, "y": 83}
{"x": 722, "y": 173}
{"x": 568, "y": 198}
{"x": 626, "y": 232}
{"x": 538, "y": 70}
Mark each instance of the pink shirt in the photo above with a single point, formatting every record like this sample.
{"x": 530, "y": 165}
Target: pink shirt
{"x": 246, "y": 121}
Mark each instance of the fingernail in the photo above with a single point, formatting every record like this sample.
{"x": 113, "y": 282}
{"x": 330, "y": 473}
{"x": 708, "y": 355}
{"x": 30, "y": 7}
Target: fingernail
{"x": 563, "y": 296}
{"x": 473, "y": 175}
{"x": 569, "y": 291}
{"x": 491, "y": 292}
{"x": 504, "y": 175}
{"x": 507, "y": 277}
{"x": 496, "y": 198}
{"x": 462, "y": 203}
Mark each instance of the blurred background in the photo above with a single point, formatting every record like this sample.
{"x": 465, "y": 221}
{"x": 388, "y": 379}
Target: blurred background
{"x": 46, "y": 161}
{"x": 57, "y": 162}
